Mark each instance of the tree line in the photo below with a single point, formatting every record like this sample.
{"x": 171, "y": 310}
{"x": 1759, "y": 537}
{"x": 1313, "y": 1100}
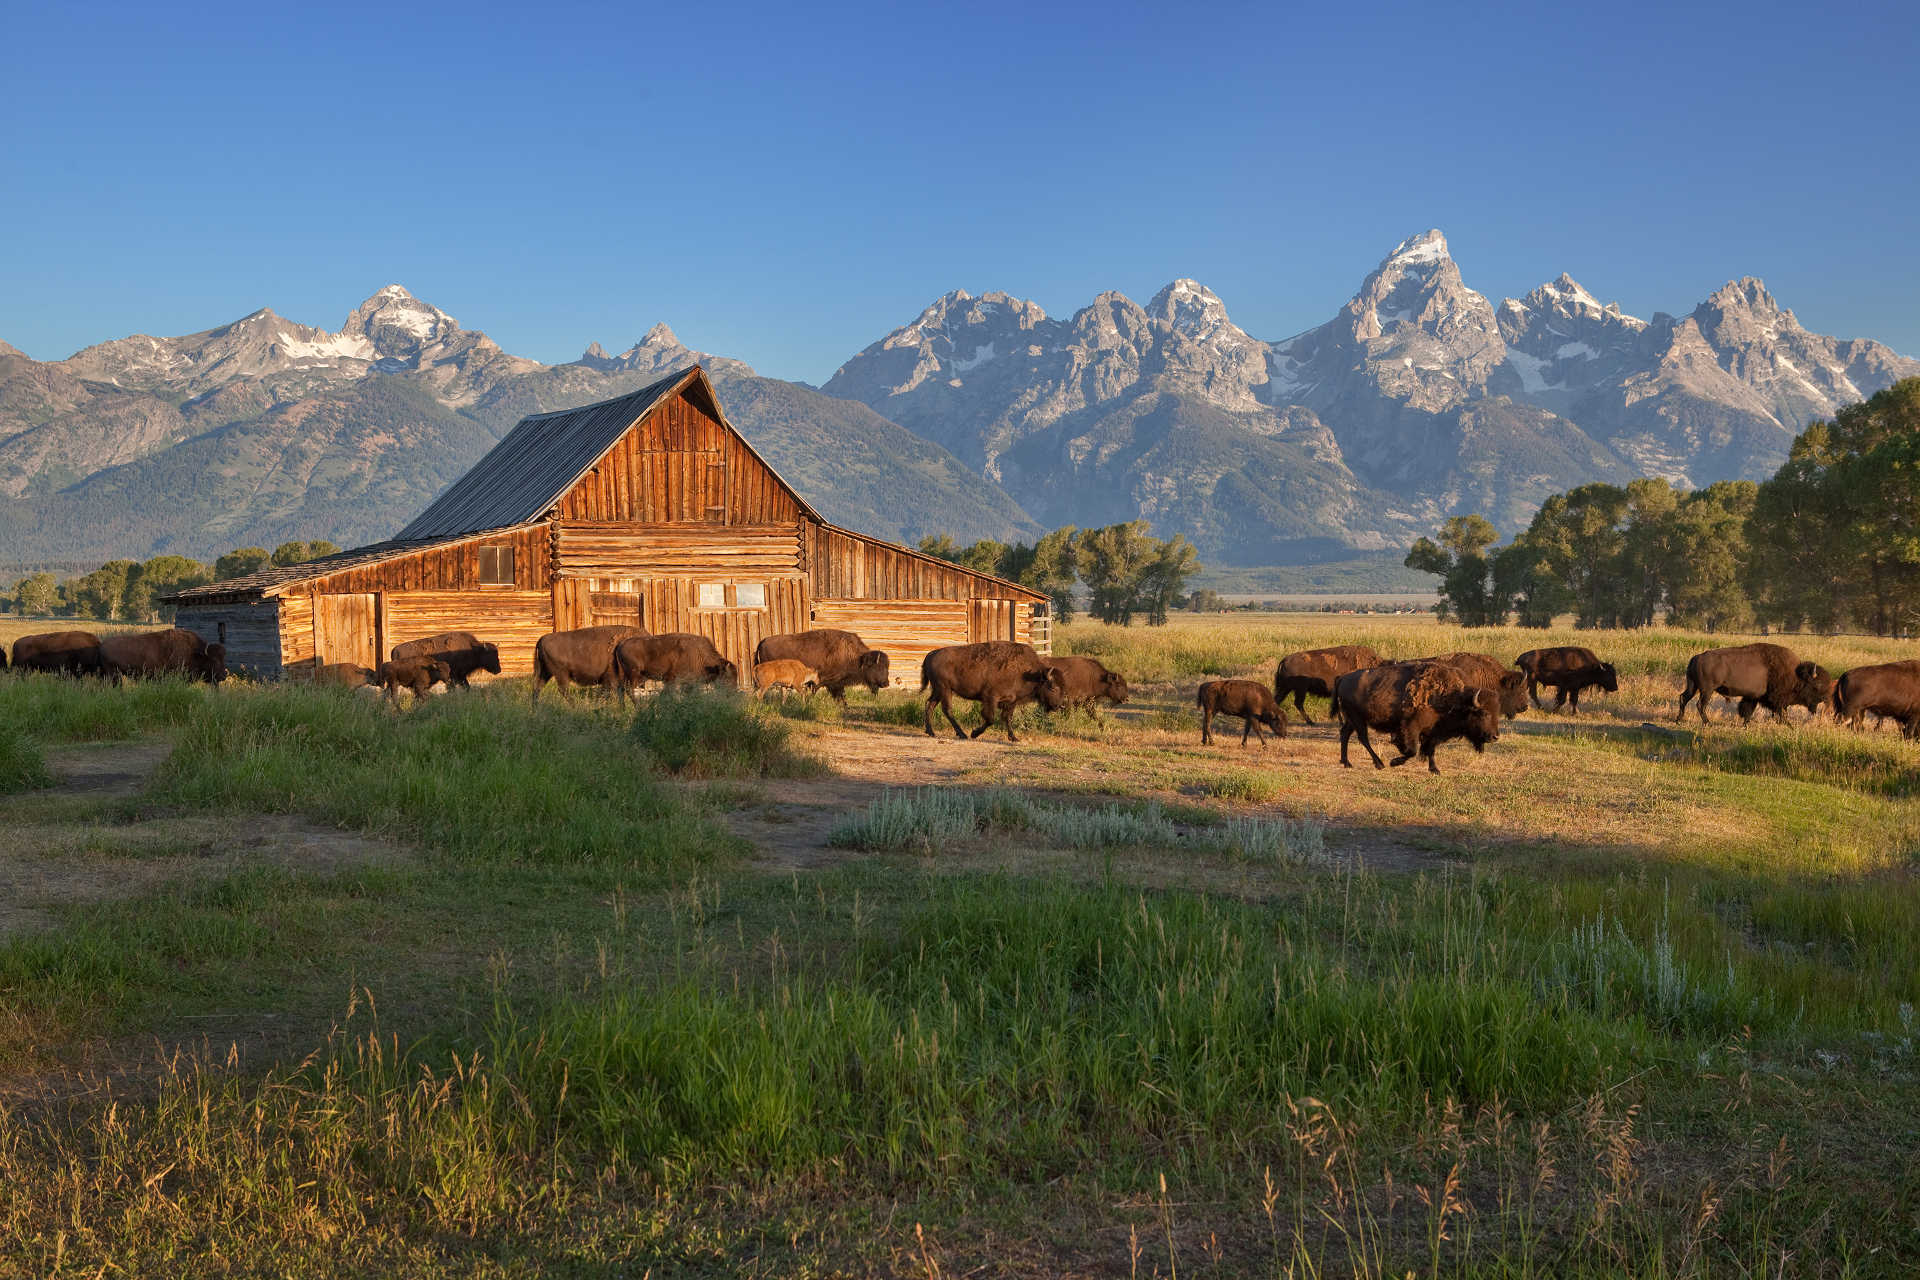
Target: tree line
{"x": 128, "y": 590}
{"x": 1125, "y": 571}
{"x": 1830, "y": 543}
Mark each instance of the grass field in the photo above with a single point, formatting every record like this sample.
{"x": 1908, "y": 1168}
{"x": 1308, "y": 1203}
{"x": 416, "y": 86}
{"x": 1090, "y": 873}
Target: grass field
{"x": 292, "y": 984}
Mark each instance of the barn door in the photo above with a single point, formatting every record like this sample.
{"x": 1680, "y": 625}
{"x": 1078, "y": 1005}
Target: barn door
{"x": 989, "y": 620}
{"x": 343, "y": 630}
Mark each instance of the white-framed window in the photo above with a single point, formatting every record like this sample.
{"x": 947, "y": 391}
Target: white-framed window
{"x": 711, "y": 595}
{"x": 496, "y": 566}
{"x": 750, "y": 595}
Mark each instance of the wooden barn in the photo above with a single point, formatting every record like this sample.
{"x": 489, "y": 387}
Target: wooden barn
{"x": 648, "y": 509}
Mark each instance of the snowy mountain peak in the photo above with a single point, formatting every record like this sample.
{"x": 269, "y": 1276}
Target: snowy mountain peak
{"x": 1196, "y": 311}
{"x": 1429, "y": 248}
{"x": 660, "y": 336}
{"x": 1745, "y": 294}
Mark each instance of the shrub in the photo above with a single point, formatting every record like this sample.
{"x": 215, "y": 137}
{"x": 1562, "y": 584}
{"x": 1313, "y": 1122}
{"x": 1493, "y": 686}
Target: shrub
{"x": 715, "y": 733}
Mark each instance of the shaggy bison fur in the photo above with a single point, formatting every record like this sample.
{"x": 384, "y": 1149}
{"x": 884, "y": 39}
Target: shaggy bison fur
{"x": 583, "y": 656}
{"x": 175, "y": 651}
{"x": 1758, "y": 675}
{"x": 1313, "y": 671}
{"x": 1248, "y": 699}
{"x": 998, "y": 674}
{"x": 1484, "y": 671}
{"x": 678, "y": 657}
{"x": 70, "y": 653}
{"x": 838, "y": 658}
{"x": 462, "y": 651}
{"x": 1567, "y": 669}
{"x": 1889, "y": 689}
{"x": 1420, "y": 704}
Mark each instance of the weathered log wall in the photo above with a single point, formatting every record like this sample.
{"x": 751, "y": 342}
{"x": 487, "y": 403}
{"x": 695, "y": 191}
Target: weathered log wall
{"x": 514, "y": 620}
{"x": 251, "y": 632}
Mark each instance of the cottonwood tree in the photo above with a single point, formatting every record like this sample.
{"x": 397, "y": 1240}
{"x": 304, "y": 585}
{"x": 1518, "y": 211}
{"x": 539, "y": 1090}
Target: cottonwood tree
{"x": 100, "y": 594}
{"x": 159, "y": 576}
{"x": 240, "y": 562}
{"x": 1459, "y": 559}
{"x": 37, "y": 595}
{"x": 292, "y": 553}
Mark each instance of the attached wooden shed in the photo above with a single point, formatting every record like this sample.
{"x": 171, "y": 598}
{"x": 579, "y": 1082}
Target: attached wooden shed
{"x": 648, "y": 509}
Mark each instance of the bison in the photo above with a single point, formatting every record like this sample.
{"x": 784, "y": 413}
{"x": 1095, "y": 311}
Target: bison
{"x": 1888, "y": 689}
{"x": 1084, "y": 681}
{"x": 1247, "y": 699}
{"x": 345, "y": 675}
{"x": 1567, "y": 669}
{"x": 1421, "y": 704}
{"x": 679, "y": 657}
{"x": 784, "y": 673}
{"x": 416, "y": 674}
{"x": 67, "y": 652}
{"x": 1763, "y": 675}
{"x": 997, "y": 674}
{"x": 584, "y": 656}
{"x": 174, "y": 651}
{"x": 1313, "y": 671}
{"x": 838, "y": 658}
{"x": 462, "y": 651}
{"x": 1484, "y": 671}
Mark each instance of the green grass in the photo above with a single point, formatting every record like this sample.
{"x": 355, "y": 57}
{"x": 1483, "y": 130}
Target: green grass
{"x": 58, "y": 709}
{"x": 22, "y": 767}
{"x": 716, "y": 733}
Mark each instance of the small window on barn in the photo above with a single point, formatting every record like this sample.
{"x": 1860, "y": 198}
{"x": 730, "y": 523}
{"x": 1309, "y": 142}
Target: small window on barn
{"x": 713, "y": 595}
{"x": 496, "y": 566}
{"x": 750, "y": 595}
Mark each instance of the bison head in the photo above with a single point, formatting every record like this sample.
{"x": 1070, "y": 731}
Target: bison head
{"x": 1513, "y": 693}
{"x": 1049, "y": 688}
{"x": 873, "y": 670}
{"x": 490, "y": 657}
{"x": 1473, "y": 714}
{"x": 1113, "y": 687}
{"x": 210, "y": 664}
{"x": 438, "y": 672}
{"x": 1609, "y": 678}
{"x": 723, "y": 672}
{"x": 1812, "y": 686}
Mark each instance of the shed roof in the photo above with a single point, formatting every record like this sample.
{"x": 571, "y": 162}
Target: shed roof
{"x": 275, "y": 579}
{"x": 545, "y": 455}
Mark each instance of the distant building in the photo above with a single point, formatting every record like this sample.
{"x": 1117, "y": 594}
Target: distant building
{"x": 650, "y": 510}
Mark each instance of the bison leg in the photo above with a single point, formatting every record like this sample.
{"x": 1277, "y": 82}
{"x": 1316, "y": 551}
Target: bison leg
{"x": 1686, "y": 695}
{"x": 1561, "y": 700}
{"x": 1746, "y": 710}
{"x": 1533, "y": 692}
{"x": 1206, "y": 726}
{"x": 986, "y": 718}
{"x": 1248, "y": 726}
{"x": 945, "y": 697}
{"x": 1300, "y": 704}
{"x": 1571, "y": 697}
{"x": 1006, "y": 718}
{"x": 1366, "y": 740}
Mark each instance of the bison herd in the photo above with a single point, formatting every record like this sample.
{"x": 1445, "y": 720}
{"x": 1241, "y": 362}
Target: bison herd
{"x": 1418, "y": 704}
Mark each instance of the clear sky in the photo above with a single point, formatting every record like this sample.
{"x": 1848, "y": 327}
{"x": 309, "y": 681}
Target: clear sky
{"x": 786, "y": 183}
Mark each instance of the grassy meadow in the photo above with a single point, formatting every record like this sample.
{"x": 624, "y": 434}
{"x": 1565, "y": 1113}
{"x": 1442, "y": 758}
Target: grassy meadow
{"x": 301, "y": 985}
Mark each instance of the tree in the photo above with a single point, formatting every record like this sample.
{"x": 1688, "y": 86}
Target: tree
{"x": 1206, "y": 600}
{"x": 239, "y": 563}
{"x": 1113, "y": 562}
{"x": 1165, "y": 575}
{"x": 1524, "y": 580}
{"x": 37, "y": 595}
{"x": 157, "y": 577}
{"x": 1579, "y": 538}
{"x": 292, "y": 553}
{"x": 1707, "y": 555}
{"x": 1054, "y": 567}
{"x": 1646, "y": 552}
{"x": 99, "y": 594}
{"x": 1459, "y": 560}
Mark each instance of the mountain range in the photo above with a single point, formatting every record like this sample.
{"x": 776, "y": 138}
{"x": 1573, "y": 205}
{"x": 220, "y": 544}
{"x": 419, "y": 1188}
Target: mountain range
{"x": 983, "y": 417}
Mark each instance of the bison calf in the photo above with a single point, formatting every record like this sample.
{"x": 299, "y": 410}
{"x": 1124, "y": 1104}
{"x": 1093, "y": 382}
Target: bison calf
{"x": 1000, "y": 675}
{"x": 1759, "y": 675}
{"x": 1313, "y": 671}
{"x": 784, "y": 673}
{"x": 1248, "y": 699}
{"x": 1566, "y": 669}
{"x": 345, "y": 675}
{"x": 418, "y": 675}
{"x": 1421, "y": 704}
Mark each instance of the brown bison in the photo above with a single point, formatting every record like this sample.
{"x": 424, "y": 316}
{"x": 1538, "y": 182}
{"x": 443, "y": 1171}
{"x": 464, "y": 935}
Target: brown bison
{"x": 462, "y": 651}
{"x": 679, "y": 657}
{"x": 417, "y": 675}
{"x": 1247, "y": 699}
{"x": 1084, "y": 681}
{"x": 784, "y": 673}
{"x": 1421, "y": 704}
{"x": 1566, "y": 669}
{"x": 67, "y": 652}
{"x": 998, "y": 674}
{"x": 1887, "y": 689}
{"x": 583, "y": 656}
{"x": 345, "y": 675}
{"x": 838, "y": 658}
{"x": 1313, "y": 671}
{"x": 1759, "y": 675}
{"x": 1484, "y": 671}
{"x": 174, "y": 651}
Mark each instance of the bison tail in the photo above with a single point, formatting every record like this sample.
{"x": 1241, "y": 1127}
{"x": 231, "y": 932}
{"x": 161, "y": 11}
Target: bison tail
{"x": 926, "y": 674}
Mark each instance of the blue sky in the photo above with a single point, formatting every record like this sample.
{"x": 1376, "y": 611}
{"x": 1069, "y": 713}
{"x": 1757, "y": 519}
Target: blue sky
{"x": 784, "y": 184}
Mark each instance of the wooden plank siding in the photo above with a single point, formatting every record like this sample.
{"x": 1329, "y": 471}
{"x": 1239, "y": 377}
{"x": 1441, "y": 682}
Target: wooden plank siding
{"x": 514, "y": 620}
{"x": 905, "y": 630}
{"x": 845, "y": 566}
{"x": 631, "y": 549}
{"x": 680, "y": 465}
{"x": 251, "y": 632}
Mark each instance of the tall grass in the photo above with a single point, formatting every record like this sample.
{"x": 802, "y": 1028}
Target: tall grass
{"x": 22, "y": 767}
{"x": 932, "y": 818}
{"x": 716, "y": 733}
{"x": 480, "y": 776}
{"x": 59, "y": 709}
